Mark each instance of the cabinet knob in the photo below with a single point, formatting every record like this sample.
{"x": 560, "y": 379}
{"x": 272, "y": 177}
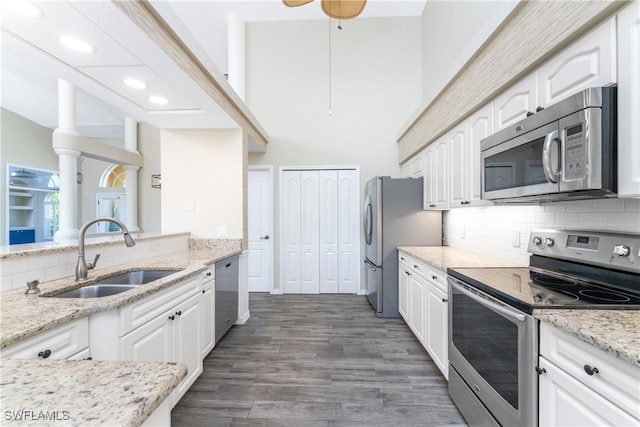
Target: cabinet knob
{"x": 208, "y": 273}
{"x": 590, "y": 370}
{"x": 540, "y": 370}
{"x": 44, "y": 354}
{"x": 203, "y": 291}
{"x": 434, "y": 277}
{"x": 172, "y": 317}
{"x": 407, "y": 273}
{"x": 178, "y": 313}
{"x": 444, "y": 300}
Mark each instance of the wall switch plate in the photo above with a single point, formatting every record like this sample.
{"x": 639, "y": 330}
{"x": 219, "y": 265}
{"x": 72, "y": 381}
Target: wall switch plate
{"x": 223, "y": 231}
{"x": 515, "y": 239}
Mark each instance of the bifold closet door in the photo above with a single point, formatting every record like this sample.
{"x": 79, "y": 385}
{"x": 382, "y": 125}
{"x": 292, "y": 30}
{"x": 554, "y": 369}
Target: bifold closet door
{"x": 320, "y": 231}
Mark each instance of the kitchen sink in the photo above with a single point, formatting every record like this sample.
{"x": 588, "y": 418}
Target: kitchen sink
{"x": 94, "y": 291}
{"x": 136, "y": 277}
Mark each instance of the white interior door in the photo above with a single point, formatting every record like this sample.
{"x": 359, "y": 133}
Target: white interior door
{"x": 348, "y": 232}
{"x": 328, "y": 231}
{"x": 260, "y": 229}
{"x": 310, "y": 231}
{"x": 290, "y": 220}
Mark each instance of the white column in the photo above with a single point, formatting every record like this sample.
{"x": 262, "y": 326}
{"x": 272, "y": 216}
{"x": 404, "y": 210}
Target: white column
{"x": 236, "y": 34}
{"x": 131, "y": 175}
{"x": 68, "y": 163}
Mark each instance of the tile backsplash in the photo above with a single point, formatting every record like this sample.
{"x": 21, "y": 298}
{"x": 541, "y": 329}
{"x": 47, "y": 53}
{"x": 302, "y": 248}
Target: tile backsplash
{"x": 503, "y": 231}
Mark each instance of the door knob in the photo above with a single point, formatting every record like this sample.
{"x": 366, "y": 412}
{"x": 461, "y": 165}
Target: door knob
{"x": 265, "y": 237}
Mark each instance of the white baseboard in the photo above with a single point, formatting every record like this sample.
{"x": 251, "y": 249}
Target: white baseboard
{"x": 276, "y": 292}
{"x": 243, "y": 319}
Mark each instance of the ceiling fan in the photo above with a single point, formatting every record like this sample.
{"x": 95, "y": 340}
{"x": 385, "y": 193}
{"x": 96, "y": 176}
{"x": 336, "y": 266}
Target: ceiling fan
{"x": 337, "y": 9}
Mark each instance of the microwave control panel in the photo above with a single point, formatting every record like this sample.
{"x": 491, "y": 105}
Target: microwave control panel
{"x": 575, "y": 153}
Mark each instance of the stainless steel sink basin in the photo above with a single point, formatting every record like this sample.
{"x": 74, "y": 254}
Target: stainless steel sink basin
{"x": 136, "y": 277}
{"x": 94, "y": 291}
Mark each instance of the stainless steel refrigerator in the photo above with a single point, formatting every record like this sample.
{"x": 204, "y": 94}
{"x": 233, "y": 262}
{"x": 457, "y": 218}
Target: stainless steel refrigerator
{"x": 393, "y": 216}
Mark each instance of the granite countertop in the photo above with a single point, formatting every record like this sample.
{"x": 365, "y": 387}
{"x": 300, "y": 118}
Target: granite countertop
{"x": 616, "y": 332}
{"x": 84, "y": 392}
{"x": 613, "y": 331}
{"x": 23, "y": 316}
{"x": 443, "y": 257}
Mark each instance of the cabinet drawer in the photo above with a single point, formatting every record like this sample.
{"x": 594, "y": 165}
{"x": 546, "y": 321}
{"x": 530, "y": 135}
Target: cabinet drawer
{"x": 403, "y": 258}
{"x": 208, "y": 275}
{"x": 437, "y": 278}
{"x": 140, "y": 312}
{"x": 60, "y": 343}
{"x": 616, "y": 380}
{"x": 417, "y": 267}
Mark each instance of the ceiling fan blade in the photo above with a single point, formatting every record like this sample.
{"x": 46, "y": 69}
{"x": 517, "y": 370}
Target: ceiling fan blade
{"x": 294, "y": 3}
{"x": 343, "y": 9}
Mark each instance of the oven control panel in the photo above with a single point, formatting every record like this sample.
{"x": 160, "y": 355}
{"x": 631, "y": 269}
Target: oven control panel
{"x": 611, "y": 250}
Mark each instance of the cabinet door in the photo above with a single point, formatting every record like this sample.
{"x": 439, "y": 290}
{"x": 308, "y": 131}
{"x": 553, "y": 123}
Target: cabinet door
{"x": 150, "y": 342}
{"x": 428, "y": 197}
{"x": 513, "y": 104}
{"x": 186, "y": 342}
{"x": 457, "y": 167}
{"x": 437, "y": 328}
{"x": 629, "y": 101}
{"x": 589, "y": 62}
{"x": 479, "y": 126}
{"x": 348, "y": 232}
{"x": 442, "y": 177}
{"x": 417, "y": 301}
{"x": 563, "y": 401}
{"x": 403, "y": 291}
{"x": 328, "y": 238}
{"x": 207, "y": 319}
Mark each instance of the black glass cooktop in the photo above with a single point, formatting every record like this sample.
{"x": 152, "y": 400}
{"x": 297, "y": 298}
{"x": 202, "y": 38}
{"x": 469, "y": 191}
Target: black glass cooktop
{"x": 533, "y": 287}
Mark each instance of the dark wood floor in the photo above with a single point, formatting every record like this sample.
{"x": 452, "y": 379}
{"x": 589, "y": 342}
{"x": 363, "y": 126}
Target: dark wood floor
{"x": 317, "y": 360}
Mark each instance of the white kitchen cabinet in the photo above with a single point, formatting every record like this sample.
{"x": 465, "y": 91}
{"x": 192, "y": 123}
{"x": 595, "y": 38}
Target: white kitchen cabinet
{"x": 513, "y": 104}
{"x": 68, "y": 341}
{"x": 588, "y": 62}
{"x": 458, "y": 166}
{"x": 403, "y": 286}
{"x": 428, "y": 194}
{"x": 479, "y": 126}
{"x": 414, "y": 167}
{"x": 207, "y": 313}
{"x": 629, "y": 101}
{"x": 582, "y": 385}
{"x": 436, "y": 326}
{"x": 320, "y": 232}
{"x": 417, "y": 311}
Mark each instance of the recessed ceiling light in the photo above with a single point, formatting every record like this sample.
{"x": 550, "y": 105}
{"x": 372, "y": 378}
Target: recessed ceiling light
{"x": 134, "y": 83}
{"x": 76, "y": 44}
{"x": 24, "y": 8}
{"x": 159, "y": 100}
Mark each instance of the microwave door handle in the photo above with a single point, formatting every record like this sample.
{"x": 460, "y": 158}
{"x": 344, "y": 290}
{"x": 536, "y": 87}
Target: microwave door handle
{"x": 549, "y": 173}
{"x": 506, "y": 312}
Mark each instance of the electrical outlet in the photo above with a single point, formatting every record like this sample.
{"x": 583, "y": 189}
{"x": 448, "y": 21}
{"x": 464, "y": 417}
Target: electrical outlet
{"x": 515, "y": 239}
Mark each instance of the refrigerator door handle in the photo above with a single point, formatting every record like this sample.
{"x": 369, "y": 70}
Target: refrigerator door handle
{"x": 368, "y": 221}
{"x": 370, "y": 265}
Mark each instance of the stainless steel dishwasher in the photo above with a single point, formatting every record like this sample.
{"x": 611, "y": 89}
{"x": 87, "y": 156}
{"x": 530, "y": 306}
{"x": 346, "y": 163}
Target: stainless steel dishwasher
{"x": 226, "y": 294}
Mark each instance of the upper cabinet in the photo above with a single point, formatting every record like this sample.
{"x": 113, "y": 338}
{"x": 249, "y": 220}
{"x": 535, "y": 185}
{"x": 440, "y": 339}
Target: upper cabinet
{"x": 516, "y": 102}
{"x": 629, "y": 101}
{"x": 589, "y": 62}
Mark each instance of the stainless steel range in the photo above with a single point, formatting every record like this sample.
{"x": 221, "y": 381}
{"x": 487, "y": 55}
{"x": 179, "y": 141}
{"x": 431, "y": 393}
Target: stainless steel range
{"x": 493, "y": 336}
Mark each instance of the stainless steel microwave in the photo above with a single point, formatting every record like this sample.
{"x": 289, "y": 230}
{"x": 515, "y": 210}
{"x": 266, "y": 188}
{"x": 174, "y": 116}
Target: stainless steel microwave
{"x": 564, "y": 152}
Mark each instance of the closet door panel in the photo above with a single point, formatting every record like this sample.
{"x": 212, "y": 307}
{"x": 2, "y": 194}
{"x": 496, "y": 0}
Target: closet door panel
{"x": 291, "y": 238}
{"x": 310, "y": 217}
{"x": 348, "y": 231}
{"x": 328, "y": 231}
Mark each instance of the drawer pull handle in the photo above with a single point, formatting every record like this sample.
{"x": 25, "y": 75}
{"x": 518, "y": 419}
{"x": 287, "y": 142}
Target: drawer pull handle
{"x": 434, "y": 277}
{"x": 590, "y": 371}
{"x": 540, "y": 370}
{"x": 444, "y": 300}
{"x": 44, "y": 354}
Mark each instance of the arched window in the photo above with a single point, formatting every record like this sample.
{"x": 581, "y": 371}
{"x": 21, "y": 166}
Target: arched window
{"x": 51, "y": 215}
{"x": 113, "y": 176}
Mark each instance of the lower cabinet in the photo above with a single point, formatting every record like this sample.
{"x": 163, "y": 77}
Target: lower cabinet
{"x": 68, "y": 341}
{"x": 422, "y": 293}
{"x": 165, "y": 327}
{"x": 582, "y": 385}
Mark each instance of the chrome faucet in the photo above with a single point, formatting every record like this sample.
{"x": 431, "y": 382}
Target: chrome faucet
{"x": 82, "y": 267}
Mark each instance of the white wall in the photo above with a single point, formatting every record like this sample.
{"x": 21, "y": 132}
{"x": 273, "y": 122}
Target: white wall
{"x": 202, "y": 182}
{"x": 149, "y": 198}
{"x": 375, "y": 85}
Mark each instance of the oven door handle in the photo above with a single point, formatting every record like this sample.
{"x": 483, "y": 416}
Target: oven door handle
{"x": 506, "y": 312}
